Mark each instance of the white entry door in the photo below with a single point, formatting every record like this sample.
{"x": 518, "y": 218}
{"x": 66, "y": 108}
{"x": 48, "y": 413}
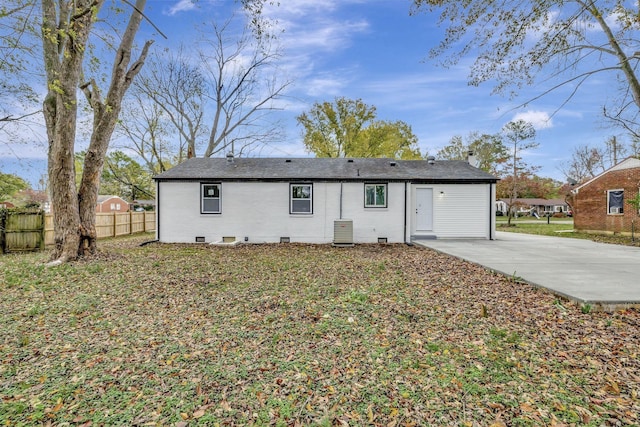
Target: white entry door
{"x": 424, "y": 209}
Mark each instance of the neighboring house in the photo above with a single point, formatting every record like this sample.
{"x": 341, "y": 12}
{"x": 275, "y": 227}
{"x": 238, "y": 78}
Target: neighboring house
{"x": 323, "y": 200}
{"x": 6, "y": 205}
{"x": 600, "y": 204}
{"x": 108, "y": 204}
{"x": 524, "y": 206}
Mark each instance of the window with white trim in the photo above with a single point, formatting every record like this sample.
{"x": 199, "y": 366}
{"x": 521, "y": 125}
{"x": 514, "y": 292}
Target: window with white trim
{"x": 210, "y": 198}
{"x": 301, "y": 198}
{"x": 375, "y": 195}
{"x": 615, "y": 202}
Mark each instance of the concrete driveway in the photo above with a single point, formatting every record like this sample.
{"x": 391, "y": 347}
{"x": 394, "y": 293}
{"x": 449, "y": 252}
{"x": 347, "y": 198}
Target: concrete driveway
{"x": 602, "y": 275}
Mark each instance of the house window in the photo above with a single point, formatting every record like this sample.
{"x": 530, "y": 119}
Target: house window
{"x": 301, "y": 198}
{"x": 113, "y": 206}
{"x": 375, "y": 195}
{"x": 117, "y": 206}
{"x": 615, "y": 201}
{"x": 210, "y": 198}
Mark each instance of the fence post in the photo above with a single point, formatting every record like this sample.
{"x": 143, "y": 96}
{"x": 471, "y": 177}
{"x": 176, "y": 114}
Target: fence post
{"x": 42, "y": 224}
{"x": 3, "y": 213}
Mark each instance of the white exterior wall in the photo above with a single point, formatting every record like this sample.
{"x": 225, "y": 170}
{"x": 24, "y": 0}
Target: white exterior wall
{"x": 260, "y": 211}
{"x": 459, "y": 211}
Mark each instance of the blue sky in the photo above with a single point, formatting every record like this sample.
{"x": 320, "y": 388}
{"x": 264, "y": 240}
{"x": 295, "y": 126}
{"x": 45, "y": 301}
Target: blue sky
{"x": 374, "y": 50}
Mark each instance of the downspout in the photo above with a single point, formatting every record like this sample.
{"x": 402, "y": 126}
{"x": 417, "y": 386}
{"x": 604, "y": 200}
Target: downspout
{"x": 491, "y": 211}
{"x": 158, "y": 210}
{"x": 405, "y": 213}
{"x": 340, "y": 200}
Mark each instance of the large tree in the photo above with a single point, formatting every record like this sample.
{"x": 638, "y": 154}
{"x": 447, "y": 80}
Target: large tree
{"x": 587, "y": 161}
{"x": 518, "y": 136}
{"x": 146, "y": 132}
{"x": 66, "y": 30}
{"x": 243, "y": 84}
{"x": 573, "y": 40}
{"x": 125, "y": 177}
{"x": 488, "y": 150}
{"x": 65, "y": 33}
{"x": 216, "y": 96}
{"x": 347, "y": 128}
{"x": 176, "y": 89}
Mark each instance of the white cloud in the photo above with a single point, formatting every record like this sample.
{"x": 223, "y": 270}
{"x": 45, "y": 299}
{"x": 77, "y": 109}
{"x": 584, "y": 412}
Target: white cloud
{"x": 327, "y": 35}
{"x": 305, "y": 8}
{"x": 181, "y": 6}
{"x": 314, "y": 32}
{"x": 298, "y": 8}
{"x": 539, "y": 119}
{"x": 324, "y": 86}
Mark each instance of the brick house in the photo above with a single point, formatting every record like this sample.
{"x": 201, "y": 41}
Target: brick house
{"x": 600, "y": 205}
{"x": 108, "y": 204}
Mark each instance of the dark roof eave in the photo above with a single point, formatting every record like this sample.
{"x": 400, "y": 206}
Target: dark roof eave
{"x": 357, "y": 179}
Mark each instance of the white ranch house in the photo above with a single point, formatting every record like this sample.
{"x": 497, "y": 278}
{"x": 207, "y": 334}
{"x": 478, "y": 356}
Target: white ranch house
{"x": 323, "y": 200}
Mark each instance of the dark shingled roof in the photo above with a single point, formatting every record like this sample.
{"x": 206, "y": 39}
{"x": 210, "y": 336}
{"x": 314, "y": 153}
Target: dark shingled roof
{"x": 323, "y": 169}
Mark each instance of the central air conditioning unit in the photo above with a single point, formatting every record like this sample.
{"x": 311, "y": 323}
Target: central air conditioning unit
{"x": 343, "y": 232}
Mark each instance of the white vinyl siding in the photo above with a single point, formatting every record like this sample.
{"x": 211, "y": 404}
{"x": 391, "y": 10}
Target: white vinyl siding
{"x": 459, "y": 210}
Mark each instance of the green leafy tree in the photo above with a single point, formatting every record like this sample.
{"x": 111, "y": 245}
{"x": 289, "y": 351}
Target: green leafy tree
{"x": 125, "y": 177}
{"x": 489, "y": 150}
{"x": 10, "y": 185}
{"x": 570, "y": 41}
{"x": 347, "y": 128}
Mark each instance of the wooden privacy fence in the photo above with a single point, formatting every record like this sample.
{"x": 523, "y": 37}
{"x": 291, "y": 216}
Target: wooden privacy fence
{"x": 29, "y": 230}
{"x": 21, "y": 230}
{"x": 112, "y": 224}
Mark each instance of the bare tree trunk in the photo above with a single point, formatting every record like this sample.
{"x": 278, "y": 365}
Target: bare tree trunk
{"x": 104, "y": 122}
{"x": 65, "y": 31}
{"x": 62, "y": 182}
{"x": 66, "y": 25}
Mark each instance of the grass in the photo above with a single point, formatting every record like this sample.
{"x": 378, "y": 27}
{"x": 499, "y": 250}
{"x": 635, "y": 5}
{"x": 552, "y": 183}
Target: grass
{"x": 302, "y": 335}
{"x": 530, "y": 225}
{"x": 560, "y": 227}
